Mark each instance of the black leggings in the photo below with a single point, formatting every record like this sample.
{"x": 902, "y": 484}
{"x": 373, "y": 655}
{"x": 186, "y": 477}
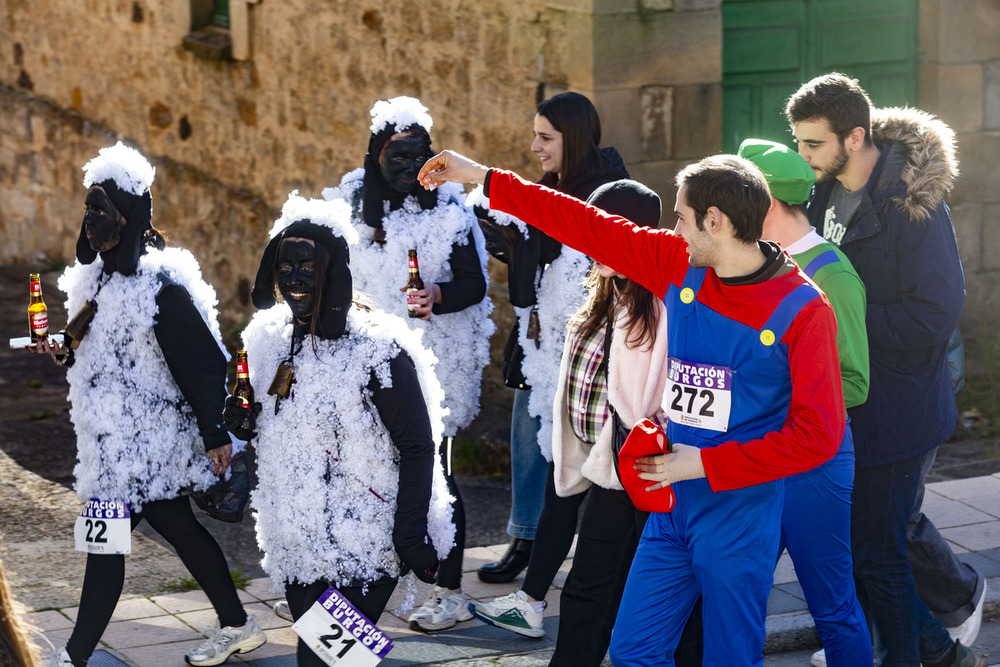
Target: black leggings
{"x": 302, "y": 596}
{"x": 553, "y": 538}
{"x": 450, "y": 573}
{"x": 105, "y": 575}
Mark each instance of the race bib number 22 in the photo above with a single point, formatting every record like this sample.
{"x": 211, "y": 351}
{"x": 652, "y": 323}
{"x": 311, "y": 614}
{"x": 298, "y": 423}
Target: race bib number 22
{"x": 104, "y": 527}
{"x": 698, "y": 395}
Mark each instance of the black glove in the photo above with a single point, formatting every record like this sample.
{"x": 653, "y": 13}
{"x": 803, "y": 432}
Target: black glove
{"x": 240, "y": 419}
{"x": 418, "y": 555}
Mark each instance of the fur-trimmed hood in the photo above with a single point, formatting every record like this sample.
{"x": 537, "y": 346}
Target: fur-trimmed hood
{"x": 921, "y": 154}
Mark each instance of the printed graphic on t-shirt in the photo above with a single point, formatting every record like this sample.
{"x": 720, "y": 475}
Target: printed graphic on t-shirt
{"x": 833, "y": 231}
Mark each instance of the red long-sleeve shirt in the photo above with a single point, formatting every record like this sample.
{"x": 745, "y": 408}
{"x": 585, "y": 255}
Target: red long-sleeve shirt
{"x": 657, "y": 258}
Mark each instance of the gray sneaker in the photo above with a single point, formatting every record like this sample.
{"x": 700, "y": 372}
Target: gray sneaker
{"x": 282, "y": 611}
{"x": 226, "y": 641}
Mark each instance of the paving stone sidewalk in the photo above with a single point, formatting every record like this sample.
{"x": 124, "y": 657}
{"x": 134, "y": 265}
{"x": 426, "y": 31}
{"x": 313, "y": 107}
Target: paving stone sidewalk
{"x": 158, "y": 629}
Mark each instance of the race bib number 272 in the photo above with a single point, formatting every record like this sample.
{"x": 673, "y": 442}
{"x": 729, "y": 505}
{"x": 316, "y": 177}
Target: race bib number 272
{"x": 698, "y": 395}
{"x": 104, "y": 527}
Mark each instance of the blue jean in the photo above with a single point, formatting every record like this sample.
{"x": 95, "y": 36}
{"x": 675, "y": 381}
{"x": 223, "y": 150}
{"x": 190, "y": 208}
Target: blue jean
{"x": 821, "y": 552}
{"x": 904, "y": 631}
{"x": 949, "y": 587}
{"x": 528, "y": 470}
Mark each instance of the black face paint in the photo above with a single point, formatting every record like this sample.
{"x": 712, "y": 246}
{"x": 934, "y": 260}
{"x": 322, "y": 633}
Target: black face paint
{"x": 102, "y": 222}
{"x": 402, "y": 159}
{"x": 295, "y": 276}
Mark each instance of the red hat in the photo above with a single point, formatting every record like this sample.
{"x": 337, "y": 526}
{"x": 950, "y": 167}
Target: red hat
{"x": 645, "y": 439}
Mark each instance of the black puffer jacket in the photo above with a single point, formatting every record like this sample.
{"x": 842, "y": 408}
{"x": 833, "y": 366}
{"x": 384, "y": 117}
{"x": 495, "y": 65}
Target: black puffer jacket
{"x": 525, "y": 255}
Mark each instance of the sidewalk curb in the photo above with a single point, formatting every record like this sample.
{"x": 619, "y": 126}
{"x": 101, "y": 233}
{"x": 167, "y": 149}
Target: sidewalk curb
{"x": 795, "y": 631}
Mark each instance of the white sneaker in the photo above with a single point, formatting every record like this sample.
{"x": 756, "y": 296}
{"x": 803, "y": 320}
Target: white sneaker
{"x": 51, "y": 656}
{"x": 967, "y": 632}
{"x": 818, "y": 659}
{"x": 226, "y": 641}
{"x": 442, "y": 609}
{"x": 281, "y": 610}
{"x": 511, "y": 612}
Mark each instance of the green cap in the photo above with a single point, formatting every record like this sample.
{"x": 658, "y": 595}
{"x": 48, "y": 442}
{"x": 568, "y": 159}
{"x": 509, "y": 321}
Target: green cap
{"x": 789, "y": 177}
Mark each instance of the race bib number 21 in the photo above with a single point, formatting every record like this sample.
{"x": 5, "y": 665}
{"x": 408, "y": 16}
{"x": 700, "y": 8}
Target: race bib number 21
{"x": 340, "y": 634}
{"x": 698, "y": 395}
{"x": 104, "y": 527}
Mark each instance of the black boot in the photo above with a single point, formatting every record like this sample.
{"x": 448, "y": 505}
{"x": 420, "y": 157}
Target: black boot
{"x": 508, "y": 567}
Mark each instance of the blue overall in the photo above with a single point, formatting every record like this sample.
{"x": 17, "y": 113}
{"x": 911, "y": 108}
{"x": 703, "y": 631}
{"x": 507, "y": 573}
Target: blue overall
{"x": 821, "y": 549}
{"x": 721, "y": 545}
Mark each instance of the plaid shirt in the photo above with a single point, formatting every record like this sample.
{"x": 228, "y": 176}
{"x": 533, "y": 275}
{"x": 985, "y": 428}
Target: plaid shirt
{"x": 587, "y": 387}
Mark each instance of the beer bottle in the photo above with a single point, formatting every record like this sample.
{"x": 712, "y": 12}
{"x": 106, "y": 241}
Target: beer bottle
{"x": 243, "y": 389}
{"x": 38, "y": 314}
{"x": 413, "y": 284}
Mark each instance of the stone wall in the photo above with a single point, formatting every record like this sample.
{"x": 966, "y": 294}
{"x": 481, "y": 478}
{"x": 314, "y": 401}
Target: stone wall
{"x": 960, "y": 81}
{"x": 230, "y": 139}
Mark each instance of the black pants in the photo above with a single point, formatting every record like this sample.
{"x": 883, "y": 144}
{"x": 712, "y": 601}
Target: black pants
{"x": 609, "y": 534}
{"x": 554, "y": 537}
{"x": 302, "y": 596}
{"x": 450, "y": 572}
{"x": 105, "y": 575}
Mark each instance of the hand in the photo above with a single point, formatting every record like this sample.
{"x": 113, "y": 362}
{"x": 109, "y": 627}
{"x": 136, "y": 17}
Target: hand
{"x": 682, "y": 464}
{"x": 419, "y": 556}
{"x": 425, "y": 299}
{"x": 448, "y": 166}
{"x": 236, "y": 416}
{"x": 45, "y": 345}
{"x": 221, "y": 458}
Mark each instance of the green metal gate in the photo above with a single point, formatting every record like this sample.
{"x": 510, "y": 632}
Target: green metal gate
{"x": 771, "y": 47}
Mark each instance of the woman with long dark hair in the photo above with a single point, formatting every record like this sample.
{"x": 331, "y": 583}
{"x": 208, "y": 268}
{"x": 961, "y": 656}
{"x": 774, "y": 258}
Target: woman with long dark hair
{"x": 613, "y": 363}
{"x": 545, "y": 283}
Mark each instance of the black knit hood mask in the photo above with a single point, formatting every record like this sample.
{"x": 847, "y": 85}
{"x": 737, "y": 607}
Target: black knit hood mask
{"x": 377, "y": 190}
{"x": 334, "y": 301}
{"x": 138, "y": 212}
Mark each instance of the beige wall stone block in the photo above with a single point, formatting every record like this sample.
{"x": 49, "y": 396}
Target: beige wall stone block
{"x": 656, "y": 104}
{"x": 955, "y": 93}
{"x": 991, "y": 95}
{"x": 981, "y": 316}
{"x": 659, "y": 177}
{"x": 663, "y": 48}
{"x": 980, "y": 168}
{"x": 697, "y": 121}
{"x": 991, "y": 236}
{"x": 621, "y": 121}
{"x": 968, "y": 221}
{"x": 963, "y": 32}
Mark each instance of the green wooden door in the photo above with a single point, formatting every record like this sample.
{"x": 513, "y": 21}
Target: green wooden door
{"x": 771, "y": 47}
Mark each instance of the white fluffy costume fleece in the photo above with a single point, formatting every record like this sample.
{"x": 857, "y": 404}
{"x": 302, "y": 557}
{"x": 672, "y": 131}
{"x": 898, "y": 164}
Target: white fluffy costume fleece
{"x": 460, "y": 340}
{"x": 137, "y": 438}
{"x": 327, "y": 467}
{"x": 559, "y": 295}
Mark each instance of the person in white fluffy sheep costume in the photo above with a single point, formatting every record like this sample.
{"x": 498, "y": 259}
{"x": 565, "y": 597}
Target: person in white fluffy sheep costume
{"x": 351, "y": 493}
{"x": 393, "y": 215}
{"x": 147, "y": 386}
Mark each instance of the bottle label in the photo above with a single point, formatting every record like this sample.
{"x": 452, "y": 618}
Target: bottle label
{"x": 411, "y": 300}
{"x": 241, "y": 370}
{"x": 412, "y": 263}
{"x": 36, "y": 289}
{"x": 40, "y": 323}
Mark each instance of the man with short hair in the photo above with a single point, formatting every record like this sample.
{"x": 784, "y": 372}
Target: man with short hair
{"x": 880, "y": 197}
{"x": 753, "y": 396}
{"x": 821, "y": 550}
